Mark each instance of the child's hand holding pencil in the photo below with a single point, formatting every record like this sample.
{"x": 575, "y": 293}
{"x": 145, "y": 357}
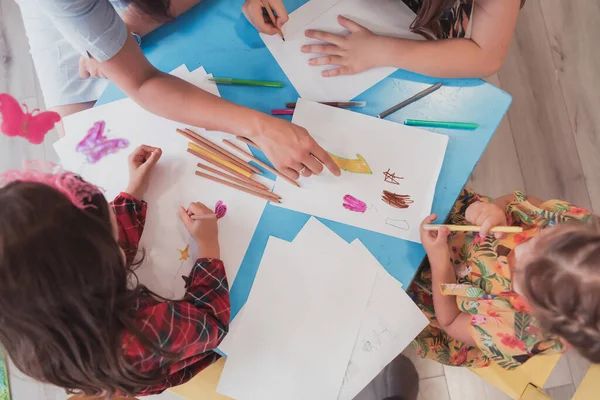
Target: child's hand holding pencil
{"x": 268, "y": 16}
{"x": 201, "y": 222}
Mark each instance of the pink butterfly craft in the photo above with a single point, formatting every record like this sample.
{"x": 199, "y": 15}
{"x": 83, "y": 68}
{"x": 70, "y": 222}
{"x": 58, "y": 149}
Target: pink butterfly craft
{"x": 16, "y": 122}
{"x": 95, "y": 145}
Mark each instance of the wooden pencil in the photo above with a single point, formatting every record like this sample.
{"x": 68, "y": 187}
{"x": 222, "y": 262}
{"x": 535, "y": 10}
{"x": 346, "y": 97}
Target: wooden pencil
{"x": 238, "y": 187}
{"x": 217, "y": 151}
{"x": 473, "y": 228}
{"x": 205, "y": 216}
{"x": 224, "y": 152}
{"x": 237, "y": 180}
{"x": 217, "y": 164}
{"x": 247, "y": 141}
{"x": 262, "y": 164}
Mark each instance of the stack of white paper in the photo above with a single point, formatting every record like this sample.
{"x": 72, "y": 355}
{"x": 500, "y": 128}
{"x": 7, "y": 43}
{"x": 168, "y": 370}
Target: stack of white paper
{"x": 169, "y": 252}
{"x": 383, "y": 17}
{"x": 322, "y": 320}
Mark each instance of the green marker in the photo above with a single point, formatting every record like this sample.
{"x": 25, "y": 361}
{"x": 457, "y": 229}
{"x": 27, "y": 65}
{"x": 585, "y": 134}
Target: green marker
{"x": 440, "y": 124}
{"x": 246, "y": 82}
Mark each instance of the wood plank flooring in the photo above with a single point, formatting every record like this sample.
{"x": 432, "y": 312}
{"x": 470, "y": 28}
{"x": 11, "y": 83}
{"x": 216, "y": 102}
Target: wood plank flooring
{"x": 548, "y": 145}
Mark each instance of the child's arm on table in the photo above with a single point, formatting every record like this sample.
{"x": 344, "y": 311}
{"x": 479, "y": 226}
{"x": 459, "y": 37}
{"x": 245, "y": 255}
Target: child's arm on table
{"x": 453, "y": 321}
{"x": 128, "y": 207}
{"x": 493, "y": 26}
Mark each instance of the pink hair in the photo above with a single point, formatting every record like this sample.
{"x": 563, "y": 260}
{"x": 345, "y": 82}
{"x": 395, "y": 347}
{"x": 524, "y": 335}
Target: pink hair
{"x": 67, "y": 183}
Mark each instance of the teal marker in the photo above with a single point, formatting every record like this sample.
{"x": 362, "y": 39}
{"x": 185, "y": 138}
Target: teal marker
{"x": 246, "y": 82}
{"x": 440, "y": 124}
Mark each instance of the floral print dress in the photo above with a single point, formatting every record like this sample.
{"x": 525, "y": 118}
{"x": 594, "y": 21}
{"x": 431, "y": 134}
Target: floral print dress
{"x": 501, "y": 324}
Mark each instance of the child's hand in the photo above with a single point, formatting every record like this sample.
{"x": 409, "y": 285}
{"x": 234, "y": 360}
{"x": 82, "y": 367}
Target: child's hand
{"x": 253, "y": 10}
{"x": 141, "y": 164}
{"x": 435, "y": 242}
{"x": 354, "y": 53}
{"x": 201, "y": 223}
{"x": 486, "y": 215}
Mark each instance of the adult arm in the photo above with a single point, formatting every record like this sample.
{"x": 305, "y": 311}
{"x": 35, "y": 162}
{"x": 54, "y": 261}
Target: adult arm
{"x": 93, "y": 27}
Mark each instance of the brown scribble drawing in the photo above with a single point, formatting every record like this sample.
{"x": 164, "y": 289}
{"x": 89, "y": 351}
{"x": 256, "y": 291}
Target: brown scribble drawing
{"x": 390, "y": 177}
{"x": 396, "y": 200}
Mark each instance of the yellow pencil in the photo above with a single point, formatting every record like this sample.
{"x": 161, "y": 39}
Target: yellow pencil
{"x": 222, "y": 161}
{"x": 474, "y": 228}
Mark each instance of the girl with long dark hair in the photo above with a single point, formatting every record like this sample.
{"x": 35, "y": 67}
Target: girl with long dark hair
{"x": 71, "y": 311}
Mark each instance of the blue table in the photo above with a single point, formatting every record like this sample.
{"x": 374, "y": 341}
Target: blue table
{"x": 216, "y": 35}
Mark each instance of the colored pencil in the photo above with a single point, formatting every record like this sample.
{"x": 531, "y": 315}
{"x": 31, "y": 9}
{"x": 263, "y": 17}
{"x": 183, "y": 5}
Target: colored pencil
{"x": 238, "y": 187}
{"x": 267, "y": 7}
{"x": 218, "y": 165}
{"x": 205, "y": 216}
{"x": 262, "y": 164}
{"x": 282, "y": 112}
{"x": 338, "y": 104}
{"x": 440, "y": 124}
{"x": 217, "y": 161}
{"x": 221, "y": 152}
{"x": 235, "y": 179}
{"x": 247, "y": 141}
{"x": 474, "y": 228}
{"x": 246, "y": 82}
{"x": 406, "y": 102}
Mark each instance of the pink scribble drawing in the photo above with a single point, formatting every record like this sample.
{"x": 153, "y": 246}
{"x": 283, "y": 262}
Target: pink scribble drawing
{"x": 220, "y": 209}
{"x": 353, "y": 204}
{"x": 95, "y": 145}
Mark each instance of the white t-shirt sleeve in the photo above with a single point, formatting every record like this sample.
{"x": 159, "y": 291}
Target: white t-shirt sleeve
{"x": 88, "y": 25}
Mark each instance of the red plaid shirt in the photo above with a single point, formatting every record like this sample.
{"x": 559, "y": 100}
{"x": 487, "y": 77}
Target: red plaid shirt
{"x": 192, "y": 327}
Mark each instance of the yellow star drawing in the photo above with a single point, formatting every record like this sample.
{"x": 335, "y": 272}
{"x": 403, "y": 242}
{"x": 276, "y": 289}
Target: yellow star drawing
{"x": 185, "y": 253}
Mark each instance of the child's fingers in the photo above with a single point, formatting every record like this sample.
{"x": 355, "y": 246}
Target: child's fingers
{"x": 349, "y": 24}
{"x": 185, "y": 218}
{"x": 429, "y": 219}
{"x": 282, "y": 15}
{"x": 199, "y": 209}
{"x": 442, "y": 234}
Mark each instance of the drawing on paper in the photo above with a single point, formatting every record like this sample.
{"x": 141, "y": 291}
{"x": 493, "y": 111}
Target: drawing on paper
{"x": 372, "y": 343}
{"x": 353, "y": 204}
{"x": 398, "y": 223}
{"x": 185, "y": 253}
{"x": 220, "y": 209}
{"x": 95, "y": 145}
{"x": 357, "y": 166}
{"x": 396, "y": 200}
{"x": 391, "y": 177}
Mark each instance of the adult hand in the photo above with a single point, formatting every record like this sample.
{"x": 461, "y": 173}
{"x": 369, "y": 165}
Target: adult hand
{"x": 435, "y": 242}
{"x": 292, "y": 150}
{"x": 141, "y": 164}
{"x": 201, "y": 223}
{"x": 486, "y": 215}
{"x": 90, "y": 68}
{"x": 354, "y": 53}
{"x": 253, "y": 10}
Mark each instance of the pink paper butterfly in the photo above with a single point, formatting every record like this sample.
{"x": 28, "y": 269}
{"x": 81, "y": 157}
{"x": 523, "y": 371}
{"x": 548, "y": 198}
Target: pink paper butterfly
{"x": 95, "y": 145}
{"x": 16, "y": 122}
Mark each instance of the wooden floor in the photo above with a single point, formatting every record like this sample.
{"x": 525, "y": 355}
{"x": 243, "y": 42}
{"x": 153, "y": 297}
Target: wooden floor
{"x": 548, "y": 146}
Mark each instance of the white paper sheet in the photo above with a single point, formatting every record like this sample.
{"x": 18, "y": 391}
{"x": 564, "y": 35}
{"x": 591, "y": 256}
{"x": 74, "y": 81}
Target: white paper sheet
{"x": 304, "y": 310}
{"x": 173, "y": 184}
{"x": 414, "y": 154}
{"x": 384, "y": 17}
{"x": 391, "y": 321}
